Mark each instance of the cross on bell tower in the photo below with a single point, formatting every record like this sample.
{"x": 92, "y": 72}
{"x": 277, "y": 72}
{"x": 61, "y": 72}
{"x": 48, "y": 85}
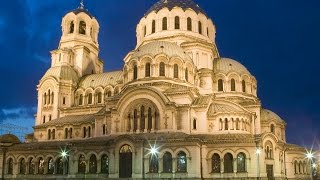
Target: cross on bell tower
{"x": 81, "y": 4}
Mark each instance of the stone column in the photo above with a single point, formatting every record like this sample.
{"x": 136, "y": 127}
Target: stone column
{"x": 138, "y": 122}
{"x": 221, "y": 166}
{"x": 132, "y": 123}
{"x": 153, "y": 123}
{"x": 235, "y": 165}
{"x": 146, "y": 122}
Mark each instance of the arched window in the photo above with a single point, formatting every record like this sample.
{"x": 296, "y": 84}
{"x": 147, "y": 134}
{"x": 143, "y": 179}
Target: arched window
{"x": 144, "y": 31}
{"x": 200, "y": 27}
{"x": 70, "y": 133}
{"x": 149, "y": 119}
{"x": 80, "y": 99}
{"x": 89, "y": 131}
{"x": 142, "y": 119}
{"x": 45, "y": 98}
{"x": 153, "y": 163}
{"x": 181, "y": 162}
{"x": 44, "y": 119}
{"x": 207, "y": 31}
{"x": 164, "y": 23}
{"x": 84, "y": 132}
{"x": 59, "y": 164}
{"x": 241, "y": 162}
{"x": 189, "y": 24}
{"x": 82, "y": 27}
{"x": 176, "y": 22}
{"x": 93, "y": 164}
{"x": 216, "y": 163}
{"x": 135, "y": 72}
{"x": 66, "y": 133}
{"x": 90, "y": 98}
{"x": 104, "y": 129}
{"x": 147, "y": 70}
{"x": 153, "y": 30}
{"x": 167, "y": 162}
{"x": 194, "y": 124}
{"x": 186, "y": 74}
{"x": 162, "y": 69}
{"x": 82, "y": 164}
{"x": 135, "y": 120}
{"x": 272, "y": 128}
{"x": 175, "y": 71}
{"x": 50, "y": 117}
{"x": 99, "y": 97}
{"x": 300, "y": 167}
{"x": 52, "y": 97}
{"x": 53, "y": 134}
{"x": 41, "y": 166}
{"x": 105, "y": 164}
{"x": 32, "y": 166}
{"x": 237, "y": 124}
{"x": 108, "y": 93}
{"x": 226, "y": 124}
{"x": 49, "y": 134}
{"x": 228, "y": 163}
{"x": 295, "y": 167}
{"x": 49, "y": 97}
{"x": 243, "y": 86}
{"x": 71, "y": 28}
{"x": 50, "y": 166}
{"x": 220, "y": 85}
{"x": 10, "y": 166}
{"x": 233, "y": 85}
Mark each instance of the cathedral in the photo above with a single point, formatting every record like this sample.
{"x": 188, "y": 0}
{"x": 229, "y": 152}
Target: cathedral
{"x": 176, "y": 110}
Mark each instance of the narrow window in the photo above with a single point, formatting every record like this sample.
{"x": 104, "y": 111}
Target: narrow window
{"x": 23, "y": 166}
{"x": 45, "y": 98}
{"x": 200, "y": 27}
{"x": 82, "y": 164}
{"x": 49, "y": 134}
{"x": 50, "y": 117}
{"x": 104, "y": 129}
{"x": 153, "y": 163}
{"x": 189, "y": 24}
{"x": 233, "y": 85}
{"x": 216, "y": 163}
{"x": 50, "y": 166}
{"x": 295, "y": 167}
{"x": 10, "y": 166}
{"x": 153, "y": 30}
{"x": 194, "y": 124}
{"x": 207, "y": 31}
{"x": 175, "y": 71}
{"x": 181, "y": 162}
{"x": 220, "y": 85}
{"x": 226, "y": 124}
{"x": 99, "y": 97}
{"x": 241, "y": 162}
{"x": 105, "y": 164}
{"x": 49, "y": 97}
{"x": 144, "y": 31}
{"x": 272, "y": 128}
{"x": 135, "y": 72}
{"x": 164, "y": 23}
{"x": 32, "y": 166}
{"x": 177, "y": 22}
{"x": 82, "y": 27}
{"x": 149, "y": 119}
{"x": 71, "y": 30}
{"x": 243, "y": 86}
{"x": 64, "y": 101}
{"x": 66, "y": 133}
{"x": 93, "y": 164}
{"x": 53, "y": 134}
{"x": 70, "y": 133}
{"x": 89, "y": 131}
{"x": 44, "y": 119}
{"x": 84, "y": 132}
{"x": 135, "y": 120}
{"x": 167, "y": 162}
{"x": 142, "y": 119}
{"x": 80, "y": 99}
{"x": 90, "y": 98}
{"x": 228, "y": 163}
{"x": 59, "y": 163}
{"x": 147, "y": 70}
{"x": 186, "y": 74}
{"x": 52, "y": 97}
{"x": 162, "y": 69}
{"x": 41, "y": 166}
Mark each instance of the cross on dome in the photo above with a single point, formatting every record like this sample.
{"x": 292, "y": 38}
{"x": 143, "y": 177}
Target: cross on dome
{"x": 81, "y": 4}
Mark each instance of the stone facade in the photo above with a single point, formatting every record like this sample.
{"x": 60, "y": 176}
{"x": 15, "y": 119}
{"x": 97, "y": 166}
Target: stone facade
{"x": 176, "y": 109}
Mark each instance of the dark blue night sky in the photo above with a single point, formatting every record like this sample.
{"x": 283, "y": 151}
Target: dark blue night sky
{"x": 277, "y": 40}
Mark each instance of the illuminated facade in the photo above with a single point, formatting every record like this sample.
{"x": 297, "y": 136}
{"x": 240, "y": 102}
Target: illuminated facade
{"x": 175, "y": 93}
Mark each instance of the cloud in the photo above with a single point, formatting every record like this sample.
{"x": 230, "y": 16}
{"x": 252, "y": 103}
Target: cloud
{"x": 23, "y": 116}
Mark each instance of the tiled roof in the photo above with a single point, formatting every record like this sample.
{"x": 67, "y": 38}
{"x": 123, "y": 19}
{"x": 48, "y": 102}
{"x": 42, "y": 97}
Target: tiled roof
{"x": 226, "y": 65}
{"x": 158, "y": 47}
{"x": 224, "y": 108}
{"x": 63, "y": 73}
{"x": 170, "y": 4}
{"x": 202, "y": 100}
{"x": 69, "y": 120}
{"x": 102, "y": 79}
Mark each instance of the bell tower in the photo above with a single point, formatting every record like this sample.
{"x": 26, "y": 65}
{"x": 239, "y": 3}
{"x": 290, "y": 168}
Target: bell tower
{"x": 78, "y": 45}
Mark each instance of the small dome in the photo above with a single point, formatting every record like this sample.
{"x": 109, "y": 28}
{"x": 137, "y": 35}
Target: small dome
{"x": 9, "y": 138}
{"x": 159, "y": 47}
{"x": 224, "y": 108}
{"x": 63, "y": 73}
{"x": 267, "y": 115}
{"x": 226, "y": 65}
{"x": 170, "y": 4}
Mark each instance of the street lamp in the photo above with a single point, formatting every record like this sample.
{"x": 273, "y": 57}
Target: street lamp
{"x": 258, "y": 152}
{"x": 310, "y": 157}
{"x": 153, "y": 150}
